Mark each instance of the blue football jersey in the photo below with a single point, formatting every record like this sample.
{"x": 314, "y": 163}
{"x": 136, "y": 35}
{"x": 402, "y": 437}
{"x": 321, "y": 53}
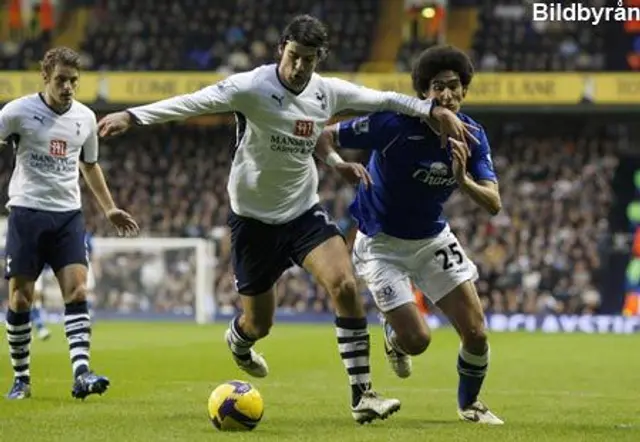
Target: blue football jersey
{"x": 412, "y": 174}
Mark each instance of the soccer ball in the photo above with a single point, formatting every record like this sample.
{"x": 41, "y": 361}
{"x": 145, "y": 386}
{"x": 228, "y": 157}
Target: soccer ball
{"x": 235, "y": 406}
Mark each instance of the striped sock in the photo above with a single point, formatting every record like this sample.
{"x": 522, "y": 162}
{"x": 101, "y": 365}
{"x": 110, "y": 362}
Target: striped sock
{"x": 471, "y": 369}
{"x": 77, "y": 328}
{"x": 353, "y": 344}
{"x": 19, "y": 339}
{"x": 239, "y": 343}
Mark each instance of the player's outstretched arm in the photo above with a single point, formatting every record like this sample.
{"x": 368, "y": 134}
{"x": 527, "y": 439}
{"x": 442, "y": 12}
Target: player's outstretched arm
{"x": 217, "y": 98}
{"x": 349, "y": 96}
{"x": 122, "y": 221}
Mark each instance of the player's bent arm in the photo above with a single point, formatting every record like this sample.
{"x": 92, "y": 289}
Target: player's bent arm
{"x": 217, "y": 98}
{"x": 92, "y": 173}
{"x": 325, "y": 147}
{"x": 485, "y": 193}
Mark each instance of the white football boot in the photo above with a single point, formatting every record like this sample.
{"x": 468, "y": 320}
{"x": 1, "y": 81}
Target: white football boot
{"x": 43, "y": 334}
{"x": 480, "y": 414}
{"x": 373, "y": 406}
{"x": 255, "y": 366}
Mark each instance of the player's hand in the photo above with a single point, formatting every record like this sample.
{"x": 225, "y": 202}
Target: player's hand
{"x": 452, "y": 126}
{"x": 460, "y": 153}
{"x": 354, "y": 174}
{"x": 123, "y": 222}
{"x": 114, "y": 124}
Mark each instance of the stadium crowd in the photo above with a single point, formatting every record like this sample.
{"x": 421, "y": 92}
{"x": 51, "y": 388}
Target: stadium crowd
{"x": 540, "y": 254}
{"x": 199, "y": 34}
{"x": 507, "y": 39}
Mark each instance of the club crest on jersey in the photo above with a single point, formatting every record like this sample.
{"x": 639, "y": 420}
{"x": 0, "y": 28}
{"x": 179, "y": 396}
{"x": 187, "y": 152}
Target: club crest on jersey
{"x": 360, "y": 126}
{"x": 303, "y": 128}
{"x": 434, "y": 174}
{"x": 58, "y": 148}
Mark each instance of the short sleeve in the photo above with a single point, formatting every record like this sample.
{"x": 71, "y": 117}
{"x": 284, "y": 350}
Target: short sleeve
{"x": 89, "y": 152}
{"x": 480, "y": 163}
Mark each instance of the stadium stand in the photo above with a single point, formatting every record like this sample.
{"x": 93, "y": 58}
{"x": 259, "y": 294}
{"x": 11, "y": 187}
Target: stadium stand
{"x": 507, "y": 40}
{"x": 226, "y": 37}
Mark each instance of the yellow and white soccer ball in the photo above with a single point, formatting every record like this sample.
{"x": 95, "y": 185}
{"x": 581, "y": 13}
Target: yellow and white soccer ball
{"x": 235, "y": 406}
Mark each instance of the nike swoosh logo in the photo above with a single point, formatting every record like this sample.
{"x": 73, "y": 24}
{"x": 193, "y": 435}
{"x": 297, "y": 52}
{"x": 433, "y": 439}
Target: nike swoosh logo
{"x": 415, "y": 137}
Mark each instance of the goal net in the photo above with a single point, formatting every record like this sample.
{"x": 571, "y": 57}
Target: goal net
{"x": 147, "y": 279}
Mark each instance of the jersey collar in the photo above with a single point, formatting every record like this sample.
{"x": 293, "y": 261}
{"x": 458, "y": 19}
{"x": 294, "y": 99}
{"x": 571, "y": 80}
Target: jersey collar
{"x": 284, "y": 85}
{"x": 52, "y": 109}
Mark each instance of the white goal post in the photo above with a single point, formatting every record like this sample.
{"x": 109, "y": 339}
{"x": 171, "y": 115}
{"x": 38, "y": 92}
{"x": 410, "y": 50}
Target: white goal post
{"x": 170, "y": 269}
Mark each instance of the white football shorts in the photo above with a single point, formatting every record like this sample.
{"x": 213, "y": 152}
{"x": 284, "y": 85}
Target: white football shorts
{"x": 388, "y": 265}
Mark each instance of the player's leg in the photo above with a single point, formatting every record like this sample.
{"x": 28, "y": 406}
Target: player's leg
{"x": 23, "y": 264}
{"x": 377, "y": 261}
{"x": 66, "y": 255}
{"x": 316, "y": 244}
{"x": 448, "y": 282}
{"x": 464, "y": 309}
{"x": 42, "y": 332}
{"x": 246, "y": 328}
{"x": 258, "y": 261}
{"x": 406, "y": 333}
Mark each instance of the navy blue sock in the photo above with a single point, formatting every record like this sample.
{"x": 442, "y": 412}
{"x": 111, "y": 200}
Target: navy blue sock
{"x": 472, "y": 370}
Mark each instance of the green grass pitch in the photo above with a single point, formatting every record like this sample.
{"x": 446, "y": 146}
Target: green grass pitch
{"x": 546, "y": 387}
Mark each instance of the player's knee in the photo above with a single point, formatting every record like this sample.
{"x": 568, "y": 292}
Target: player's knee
{"x": 77, "y": 294}
{"x": 344, "y": 289}
{"x": 416, "y": 342}
{"x": 474, "y": 338}
{"x": 21, "y": 299}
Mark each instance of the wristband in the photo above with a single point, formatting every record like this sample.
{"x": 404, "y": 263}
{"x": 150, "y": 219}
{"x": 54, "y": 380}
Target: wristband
{"x": 333, "y": 159}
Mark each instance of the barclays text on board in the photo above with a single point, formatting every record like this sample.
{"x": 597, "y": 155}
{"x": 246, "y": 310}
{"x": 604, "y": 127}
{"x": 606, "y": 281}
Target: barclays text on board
{"x": 556, "y": 323}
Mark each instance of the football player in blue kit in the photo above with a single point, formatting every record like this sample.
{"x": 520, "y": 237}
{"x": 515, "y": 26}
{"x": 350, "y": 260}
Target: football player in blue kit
{"x": 403, "y": 236}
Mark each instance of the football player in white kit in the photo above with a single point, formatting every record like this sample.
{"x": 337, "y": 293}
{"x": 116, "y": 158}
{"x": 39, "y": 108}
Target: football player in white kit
{"x": 275, "y": 218}
{"x": 54, "y": 137}
{"x": 403, "y": 236}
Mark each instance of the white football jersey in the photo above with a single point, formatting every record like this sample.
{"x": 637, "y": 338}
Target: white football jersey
{"x": 49, "y": 148}
{"x": 273, "y": 176}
